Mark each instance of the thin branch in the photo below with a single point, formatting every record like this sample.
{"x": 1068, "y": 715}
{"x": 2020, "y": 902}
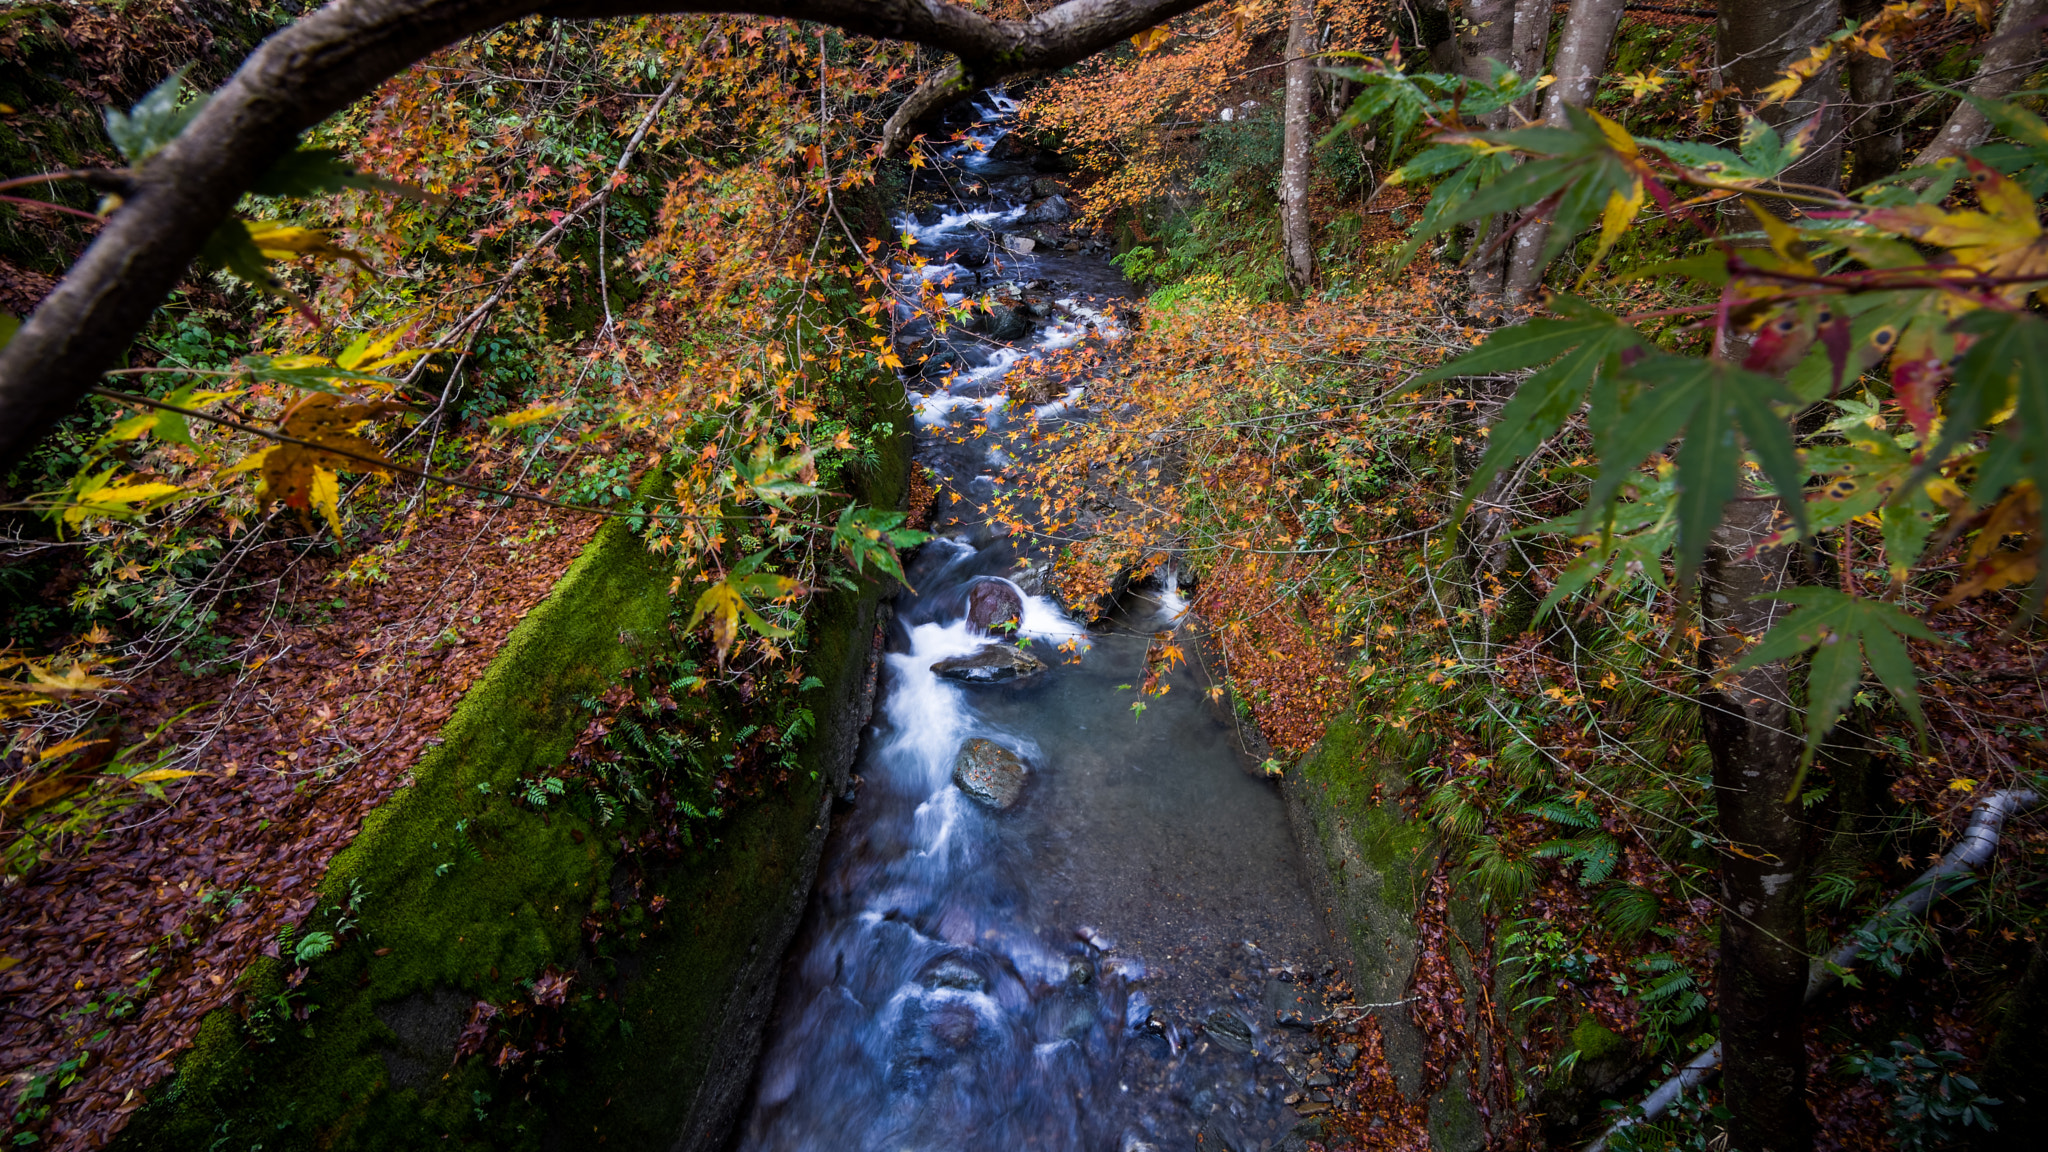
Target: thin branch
{"x": 376, "y": 462}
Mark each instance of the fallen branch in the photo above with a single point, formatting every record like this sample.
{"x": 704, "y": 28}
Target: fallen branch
{"x": 1978, "y": 843}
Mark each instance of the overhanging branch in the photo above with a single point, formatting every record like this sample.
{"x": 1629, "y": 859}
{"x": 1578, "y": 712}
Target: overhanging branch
{"x": 338, "y": 55}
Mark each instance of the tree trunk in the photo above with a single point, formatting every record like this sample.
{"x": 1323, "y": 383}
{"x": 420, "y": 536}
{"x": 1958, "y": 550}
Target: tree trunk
{"x": 1487, "y": 39}
{"x": 1755, "y": 41}
{"x": 2011, "y": 55}
{"x": 1747, "y": 719}
{"x": 1530, "y": 43}
{"x": 1582, "y": 48}
{"x": 1876, "y": 144}
{"x": 1296, "y": 230}
{"x": 1748, "y": 725}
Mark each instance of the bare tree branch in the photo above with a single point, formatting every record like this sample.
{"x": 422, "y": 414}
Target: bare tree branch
{"x": 338, "y": 55}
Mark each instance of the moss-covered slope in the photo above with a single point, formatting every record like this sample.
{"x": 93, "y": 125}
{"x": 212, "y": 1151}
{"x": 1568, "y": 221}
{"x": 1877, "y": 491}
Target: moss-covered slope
{"x": 624, "y": 990}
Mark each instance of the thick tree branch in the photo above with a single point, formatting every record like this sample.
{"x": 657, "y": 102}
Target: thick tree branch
{"x": 340, "y": 54}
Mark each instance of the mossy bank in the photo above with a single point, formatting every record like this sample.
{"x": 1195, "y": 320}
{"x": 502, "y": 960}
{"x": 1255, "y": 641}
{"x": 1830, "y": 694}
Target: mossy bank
{"x": 509, "y": 972}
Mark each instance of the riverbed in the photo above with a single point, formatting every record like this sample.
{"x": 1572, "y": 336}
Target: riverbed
{"x": 1116, "y": 947}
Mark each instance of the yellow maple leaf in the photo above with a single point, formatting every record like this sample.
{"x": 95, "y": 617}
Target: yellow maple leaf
{"x": 159, "y": 775}
{"x": 288, "y": 241}
{"x": 325, "y": 496}
{"x": 121, "y": 501}
{"x": 531, "y": 414}
{"x": 1150, "y": 40}
{"x": 2004, "y": 239}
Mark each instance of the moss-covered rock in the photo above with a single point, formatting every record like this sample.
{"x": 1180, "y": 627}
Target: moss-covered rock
{"x": 1370, "y": 863}
{"x": 633, "y": 990}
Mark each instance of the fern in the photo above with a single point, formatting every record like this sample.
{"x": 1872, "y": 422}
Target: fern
{"x": 1564, "y": 812}
{"x": 1500, "y": 878}
{"x": 1628, "y": 910}
{"x": 1596, "y": 856}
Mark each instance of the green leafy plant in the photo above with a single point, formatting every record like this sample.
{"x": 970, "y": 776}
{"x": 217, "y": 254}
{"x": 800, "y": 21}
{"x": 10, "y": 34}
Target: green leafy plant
{"x": 1932, "y": 1100}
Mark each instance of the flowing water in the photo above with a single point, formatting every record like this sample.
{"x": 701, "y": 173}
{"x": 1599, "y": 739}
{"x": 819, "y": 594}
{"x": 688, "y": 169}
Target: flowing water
{"x": 1119, "y": 960}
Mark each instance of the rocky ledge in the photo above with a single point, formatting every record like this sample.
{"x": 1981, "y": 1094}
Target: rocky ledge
{"x": 993, "y": 664}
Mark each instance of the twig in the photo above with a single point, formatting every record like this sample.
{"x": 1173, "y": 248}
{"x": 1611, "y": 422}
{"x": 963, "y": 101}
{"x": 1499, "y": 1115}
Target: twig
{"x": 377, "y": 462}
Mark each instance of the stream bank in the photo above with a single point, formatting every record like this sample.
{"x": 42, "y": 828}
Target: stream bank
{"x": 508, "y": 972}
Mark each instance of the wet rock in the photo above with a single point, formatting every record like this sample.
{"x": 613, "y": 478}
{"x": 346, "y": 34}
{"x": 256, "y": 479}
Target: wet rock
{"x": 1228, "y": 1029}
{"x": 1047, "y": 210}
{"x": 993, "y": 604}
{"x": 1294, "y": 1005}
{"x": 1004, "y": 322}
{"x": 994, "y": 664}
{"x": 989, "y": 773}
{"x": 953, "y": 974}
{"x": 1096, "y": 940}
{"x": 1137, "y": 1011}
{"x": 1347, "y": 1052}
{"x": 972, "y": 253}
{"x": 1021, "y": 245}
{"x": 1043, "y": 187}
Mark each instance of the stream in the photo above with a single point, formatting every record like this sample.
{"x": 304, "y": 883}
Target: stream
{"x": 1043, "y": 920}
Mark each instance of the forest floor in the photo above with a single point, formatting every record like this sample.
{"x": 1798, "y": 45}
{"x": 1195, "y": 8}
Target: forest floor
{"x": 341, "y": 686}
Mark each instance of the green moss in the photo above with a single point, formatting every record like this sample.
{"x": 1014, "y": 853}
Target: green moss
{"x": 1595, "y": 1041}
{"x": 1346, "y": 769}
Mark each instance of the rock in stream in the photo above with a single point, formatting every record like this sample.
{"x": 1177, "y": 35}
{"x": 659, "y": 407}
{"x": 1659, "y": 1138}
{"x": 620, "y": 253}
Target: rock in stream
{"x": 994, "y": 664}
{"x": 989, "y": 772}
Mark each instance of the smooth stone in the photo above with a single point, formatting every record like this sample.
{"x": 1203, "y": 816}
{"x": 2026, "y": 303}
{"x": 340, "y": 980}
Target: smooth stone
{"x": 1021, "y": 245}
{"x": 1293, "y": 1005}
{"x": 993, "y": 604}
{"x": 994, "y": 664}
{"x": 953, "y": 974}
{"x": 989, "y": 773}
{"x": 1007, "y": 323}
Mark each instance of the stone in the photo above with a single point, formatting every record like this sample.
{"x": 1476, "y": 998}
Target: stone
{"x": 1227, "y": 1029}
{"x": 1043, "y": 187}
{"x": 1293, "y": 1005}
{"x": 1047, "y": 210}
{"x": 1021, "y": 245}
{"x": 1347, "y": 1053}
{"x": 993, "y": 604}
{"x": 993, "y": 664}
{"x": 1004, "y": 322}
{"x": 953, "y": 974}
{"x": 989, "y": 773}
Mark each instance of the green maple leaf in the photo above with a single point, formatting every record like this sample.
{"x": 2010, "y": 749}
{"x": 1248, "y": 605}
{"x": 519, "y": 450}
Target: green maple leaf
{"x": 774, "y": 481}
{"x": 870, "y": 535}
{"x": 1573, "y": 347}
{"x": 1704, "y": 404}
{"x": 1582, "y": 165}
{"x": 1844, "y": 633}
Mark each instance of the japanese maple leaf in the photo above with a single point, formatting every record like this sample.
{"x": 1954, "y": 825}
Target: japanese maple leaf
{"x": 2004, "y": 239}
